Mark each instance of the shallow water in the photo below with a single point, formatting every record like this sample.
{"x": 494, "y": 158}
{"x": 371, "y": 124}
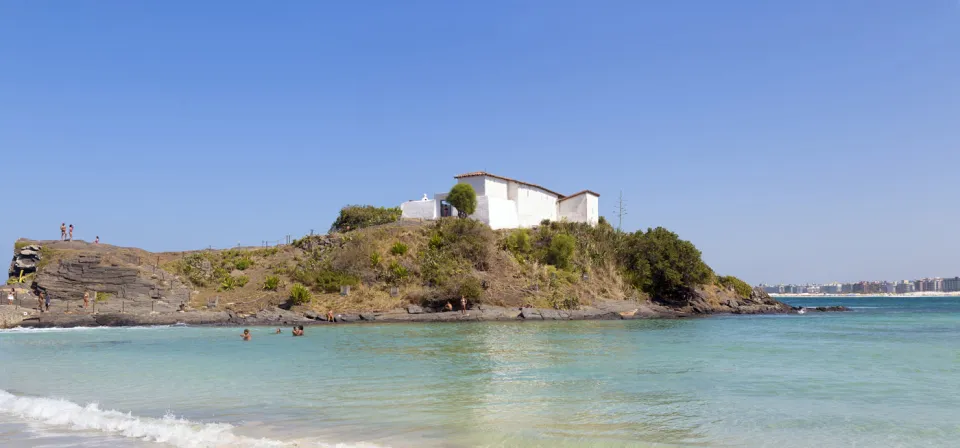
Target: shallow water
{"x": 886, "y": 374}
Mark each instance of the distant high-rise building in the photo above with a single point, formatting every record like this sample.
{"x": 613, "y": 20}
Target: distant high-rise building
{"x": 951, "y": 284}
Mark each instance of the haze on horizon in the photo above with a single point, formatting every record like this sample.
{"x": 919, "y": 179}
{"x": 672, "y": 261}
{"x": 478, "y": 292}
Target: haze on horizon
{"x": 792, "y": 142}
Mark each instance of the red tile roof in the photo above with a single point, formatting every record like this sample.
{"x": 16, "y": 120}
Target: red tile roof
{"x": 484, "y": 173}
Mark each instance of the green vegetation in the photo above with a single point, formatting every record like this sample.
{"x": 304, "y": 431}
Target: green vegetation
{"x": 330, "y": 281}
{"x": 271, "y": 283}
{"x": 397, "y": 273}
{"x": 355, "y": 217}
{"x": 464, "y": 199}
{"x": 659, "y": 263}
{"x": 560, "y": 253}
{"x": 20, "y": 245}
{"x": 241, "y": 280}
{"x": 243, "y": 263}
{"x": 102, "y": 296}
{"x": 742, "y": 288}
{"x": 300, "y": 295}
{"x": 471, "y": 289}
{"x": 399, "y": 249}
{"x": 375, "y": 259}
{"x": 518, "y": 243}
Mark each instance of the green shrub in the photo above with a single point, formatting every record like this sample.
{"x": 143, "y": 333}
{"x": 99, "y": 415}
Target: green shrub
{"x": 243, "y": 263}
{"x": 271, "y": 283}
{"x": 300, "y": 295}
{"x": 464, "y": 239}
{"x": 560, "y": 253}
{"x": 241, "y": 281}
{"x": 227, "y": 283}
{"x": 742, "y": 288}
{"x": 397, "y": 273}
{"x": 375, "y": 259}
{"x": 353, "y": 217}
{"x": 471, "y": 289}
{"x": 464, "y": 199}
{"x": 399, "y": 249}
{"x": 102, "y": 296}
{"x": 518, "y": 242}
{"x": 331, "y": 281}
{"x": 662, "y": 265}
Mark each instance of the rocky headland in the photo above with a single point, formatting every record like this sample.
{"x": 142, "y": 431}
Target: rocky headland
{"x": 393, "y": 273}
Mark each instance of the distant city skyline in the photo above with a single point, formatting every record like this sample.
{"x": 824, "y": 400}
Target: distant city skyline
{"x": 928, "y": 284}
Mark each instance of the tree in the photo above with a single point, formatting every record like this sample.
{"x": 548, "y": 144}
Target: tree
{"x": 464, "y": 199}
{"x": 659, "y": 263}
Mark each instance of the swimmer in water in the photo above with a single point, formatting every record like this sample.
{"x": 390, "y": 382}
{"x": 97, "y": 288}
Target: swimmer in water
{"x": 246, "y": 335}
{"x": 298, "y": 331}
{"x": 278, "y": 331}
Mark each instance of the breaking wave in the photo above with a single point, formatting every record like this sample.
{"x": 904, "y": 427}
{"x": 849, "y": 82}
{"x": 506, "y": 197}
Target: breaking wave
{"x": 168, "y": 430}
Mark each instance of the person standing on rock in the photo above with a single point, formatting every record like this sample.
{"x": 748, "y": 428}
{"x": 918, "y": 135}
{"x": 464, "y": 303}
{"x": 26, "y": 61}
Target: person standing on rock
{"x": 63, "y": 231}
{"x": 463, "y": 304}
{"x": 46, "y": 300}
{"x": 71, "y": 232}
{"x": 10, "y": 297}
{"x": 86, "y": 299}
{"x": 97, "y": 241}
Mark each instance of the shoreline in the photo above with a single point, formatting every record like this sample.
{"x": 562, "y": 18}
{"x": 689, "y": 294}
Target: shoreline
{"x": 278, "y": 317}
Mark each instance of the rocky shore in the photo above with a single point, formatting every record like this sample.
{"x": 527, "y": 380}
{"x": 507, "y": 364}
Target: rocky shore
{"x": 129, "y": 287}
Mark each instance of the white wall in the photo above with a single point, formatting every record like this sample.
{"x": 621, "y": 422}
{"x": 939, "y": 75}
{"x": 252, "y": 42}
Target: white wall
{"x": 581, "y": 208}
{"x": 535, "y": 205}
{"x": 495, "y": 188}
{"x": 593, "y": 209}
{"x": 477, "y": 182}
{"x": 574, "y": 209}
{"x": 502, "y": 213}
{"x": 420, "y": 209}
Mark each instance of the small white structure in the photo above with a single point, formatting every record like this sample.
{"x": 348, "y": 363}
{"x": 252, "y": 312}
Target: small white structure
{"x": 504, "y": 203}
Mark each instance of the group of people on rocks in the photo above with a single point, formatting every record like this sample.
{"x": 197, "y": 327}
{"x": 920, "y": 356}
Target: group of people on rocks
{"x": 463, "y": 305}
{"x": 66, "y": 233}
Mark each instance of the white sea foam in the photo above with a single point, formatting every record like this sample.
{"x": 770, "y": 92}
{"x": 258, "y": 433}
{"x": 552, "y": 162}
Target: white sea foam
{"x": 167, "y": 430}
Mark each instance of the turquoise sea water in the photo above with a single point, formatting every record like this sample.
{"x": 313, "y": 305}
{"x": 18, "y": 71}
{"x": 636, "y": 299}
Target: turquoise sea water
{"x": 885, "y": 375}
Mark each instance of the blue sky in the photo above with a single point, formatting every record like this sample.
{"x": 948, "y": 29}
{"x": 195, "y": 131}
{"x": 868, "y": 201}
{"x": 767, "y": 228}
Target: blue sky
{"x": 790, "y": 141}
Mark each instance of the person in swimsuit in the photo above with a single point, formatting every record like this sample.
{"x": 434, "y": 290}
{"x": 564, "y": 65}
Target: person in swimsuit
{"x": 278, "y": 331}
{"x": 97, "y": 241}
{"x": 463, "y": 305}
{"x": 246, "y": 335}
{"x": 298, "y": 331}
{"x": 330, "y": 316}
{"x": 46, "y": 300}
{"x": 71, "y": 232}
{"x": 448, "y": 306}
{"x": 86, "y": 299}
{"x": 10, "y": 297}
{"x": 63, "y": 231}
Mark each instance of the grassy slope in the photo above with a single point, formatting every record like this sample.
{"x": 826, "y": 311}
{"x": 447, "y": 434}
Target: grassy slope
{"x": 442, "y": 261}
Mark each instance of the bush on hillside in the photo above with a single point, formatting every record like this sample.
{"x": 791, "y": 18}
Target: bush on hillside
{"x": 354, "y": 217}
{"x": 662, "y": 265}
{"x": 375, "y": 259}
{"x": 518, "y": 242}
{"x": 464, "y": 199}
{"x": 560, "y": 253}
{"x": 742, "y": 288}
{"x": 396, "y": 273}
{"x": 331, "y": 281}
{"x": 243, "y": 263}
{"x": 399, "y": 249}
{"x": 300, "y": 295}
{"x": 271, "y": 283}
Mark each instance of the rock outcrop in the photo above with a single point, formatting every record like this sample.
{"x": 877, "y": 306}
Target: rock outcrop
{"x": 25, "y": 260}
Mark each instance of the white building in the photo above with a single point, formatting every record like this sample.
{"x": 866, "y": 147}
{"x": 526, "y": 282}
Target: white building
{"x": 504, "y": 203}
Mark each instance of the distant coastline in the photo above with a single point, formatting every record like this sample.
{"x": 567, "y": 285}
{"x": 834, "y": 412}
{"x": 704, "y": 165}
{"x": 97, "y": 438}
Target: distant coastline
{"x": 909, "y": 294}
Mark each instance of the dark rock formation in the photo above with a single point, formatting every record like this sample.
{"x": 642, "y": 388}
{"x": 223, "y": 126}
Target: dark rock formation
{"x": 122, "y": 286}
{"x": 25, "y": 260}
